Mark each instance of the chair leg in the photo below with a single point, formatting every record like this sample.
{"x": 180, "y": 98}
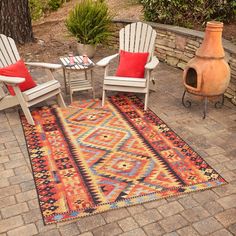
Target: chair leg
{"x": 103, "y": 97}
{"x": 23, "y": 105}
{"x": 60, "y": 100}
{"x": 71, "y": 96}
{"x": 93, "y": 93}
{"x": 92, "y": 82}
{"x": 65, "y": 82}
{"x": 146, "y": 101}
{"x": 27, "y": 114}
{"x": 70, "y": 87}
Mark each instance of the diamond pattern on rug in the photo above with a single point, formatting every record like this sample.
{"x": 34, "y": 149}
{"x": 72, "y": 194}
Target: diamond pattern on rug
{"x": 123, "y": 166}
{"x": 87, "y": 159}
{"x": 105, "y": 138}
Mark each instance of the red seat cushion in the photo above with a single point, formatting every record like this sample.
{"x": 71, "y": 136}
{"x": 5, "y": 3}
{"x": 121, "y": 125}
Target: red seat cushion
{"x": 132, "y": 64}
{"x": 18, "y": 70}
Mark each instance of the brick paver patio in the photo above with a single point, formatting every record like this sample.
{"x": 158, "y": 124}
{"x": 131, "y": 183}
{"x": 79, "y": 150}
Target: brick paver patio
{"x": 211, "y": 212}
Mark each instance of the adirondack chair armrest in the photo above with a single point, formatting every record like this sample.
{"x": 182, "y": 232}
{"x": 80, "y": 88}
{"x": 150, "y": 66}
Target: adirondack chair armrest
{"x": 44, "y": 65}
{"x": 11, "y": 80}
{"x": 105, "y": 61}
{"x": 152, "y": 64}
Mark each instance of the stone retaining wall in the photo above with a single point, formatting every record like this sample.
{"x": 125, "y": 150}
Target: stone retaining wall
{"x": 176, "y": 46}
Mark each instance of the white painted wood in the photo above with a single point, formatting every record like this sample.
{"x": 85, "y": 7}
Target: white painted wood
{"x": 44, "y": 65}
{"x": 41, "y": 90}
{"x": 23, "y": 104}
{"x": 8, "y": 101}
{"x": 146, "y": 101}
{"x": 43, "y": 98}
{"x": 125, "y": 81}
{"x": 125, "y": 89}
{"x": 152, "y": 64}
{"x": 50, "y": 73}
{"x": 103, "y": 96}
{"x": 132, "y": 38}
{"x": 105, "y": 61}
{"x": 122, "y": 39}
{"x": 6, "y": 60}
{"x": 11, "y": 80}
{"x": 81, "y": 88}
{"x": 152, "y": 42}
{"x": 77, "y": 84}
{"x": 7, "y": 51}
{"x": 93, "y": 84}
{"x": 9, "y": 55}
{"x": 1, "y": 62}
{"x": 14, "y": 49}
{"x": 127, "y": 38}
{"x": 148, "y": 39}
{"x": 2, "y": 91}
{"x": 78, "y": 65}
{"x": 42, "y": 86}
{"x": 136, "y": 37}
{"x": 148, "y": 74}
{"x": 60, "y": 100}
{"x": 143, "y": 38}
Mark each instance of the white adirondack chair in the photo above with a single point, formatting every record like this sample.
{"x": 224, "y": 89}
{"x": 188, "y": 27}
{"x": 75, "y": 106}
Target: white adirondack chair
{"x": 9, "y": 55}
{"x": 135, "y": 37}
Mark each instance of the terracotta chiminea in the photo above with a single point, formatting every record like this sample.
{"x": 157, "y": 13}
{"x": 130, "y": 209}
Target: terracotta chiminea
{"x": 208, "y": 74}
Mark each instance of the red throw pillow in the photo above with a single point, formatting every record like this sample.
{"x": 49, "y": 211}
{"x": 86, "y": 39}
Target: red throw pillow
{"x": 132, "y": 64}
{"x": 18, "y": 70}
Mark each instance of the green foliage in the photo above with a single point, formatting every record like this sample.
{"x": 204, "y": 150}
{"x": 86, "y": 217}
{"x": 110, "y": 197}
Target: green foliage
{"x": 90, "y": 22}
{"x": 225, "y": 12}
{"x": 39, "y": 7}
{"x": 188, "y": 12}
{"x": 54, "y": 4}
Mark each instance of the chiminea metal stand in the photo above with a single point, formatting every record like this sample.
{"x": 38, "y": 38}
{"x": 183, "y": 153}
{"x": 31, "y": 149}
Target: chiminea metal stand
{"x": 218, "y": 104}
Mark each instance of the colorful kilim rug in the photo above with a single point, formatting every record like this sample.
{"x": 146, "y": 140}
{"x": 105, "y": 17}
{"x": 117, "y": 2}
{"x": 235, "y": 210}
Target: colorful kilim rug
{"x": 87, "y": 159}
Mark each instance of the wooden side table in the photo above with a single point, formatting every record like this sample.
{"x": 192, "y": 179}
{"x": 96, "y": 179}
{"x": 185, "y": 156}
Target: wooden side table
{"x": 77, "y": 84}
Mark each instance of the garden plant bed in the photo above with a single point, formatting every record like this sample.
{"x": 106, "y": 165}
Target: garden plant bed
{"x": 52, "y": 39}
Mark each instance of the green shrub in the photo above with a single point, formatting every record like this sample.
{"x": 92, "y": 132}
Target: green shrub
{"x": 54, "y": 4}
{"x": 225, "y": 12}
{"x": 90, "y": 22}
{"x": 188, "y": 12}
{"x": 39, "y": 7}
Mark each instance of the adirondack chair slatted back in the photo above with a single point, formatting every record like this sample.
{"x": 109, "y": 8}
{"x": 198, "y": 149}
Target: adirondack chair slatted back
{"x": 8, "y": 55}
{"x": 138, "y": 37}
{"x": 8, "y": 51}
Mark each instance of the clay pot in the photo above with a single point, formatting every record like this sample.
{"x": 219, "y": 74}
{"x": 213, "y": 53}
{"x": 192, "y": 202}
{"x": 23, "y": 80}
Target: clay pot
{"x": 86, "y": 49}
{"x": 208, "y": 74}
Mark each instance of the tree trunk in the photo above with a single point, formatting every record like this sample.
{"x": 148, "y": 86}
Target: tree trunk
{"x": 15, "y": 20}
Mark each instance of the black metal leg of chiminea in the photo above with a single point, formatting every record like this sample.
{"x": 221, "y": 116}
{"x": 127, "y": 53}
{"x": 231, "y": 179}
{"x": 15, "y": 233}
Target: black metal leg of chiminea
{"x": 205, "y": 107}
{"x": 187, "y": 103}
{"x": 218, "y": 104}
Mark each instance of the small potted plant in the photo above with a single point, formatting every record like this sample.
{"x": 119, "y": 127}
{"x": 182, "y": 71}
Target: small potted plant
{"x": 90, "y": 22}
